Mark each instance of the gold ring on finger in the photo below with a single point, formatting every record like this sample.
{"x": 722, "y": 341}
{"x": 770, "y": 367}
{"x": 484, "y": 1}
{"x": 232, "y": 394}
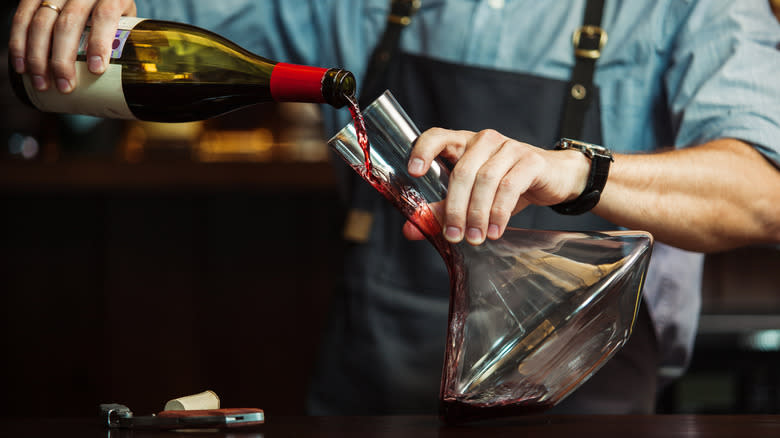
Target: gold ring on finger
{"x": 51, "y": 6}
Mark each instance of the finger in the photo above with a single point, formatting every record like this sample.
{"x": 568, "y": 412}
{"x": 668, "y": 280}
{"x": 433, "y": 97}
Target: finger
{"x": 496, "y": 231}
{"x": 480, "y": 148}
{"x": 482, "y": 220}
{"x": 65, "y": 43}
{"x": 411, "y": 232}
{"x": 426, "y": 222}
{"x": 433, "y": 142}
{"x": 513, "y": 194}
{"x": 39, "y": 36}
{"x": 17, "y": 38}
{"x": 105, "y": 19}
{"x": 508, "y": 200}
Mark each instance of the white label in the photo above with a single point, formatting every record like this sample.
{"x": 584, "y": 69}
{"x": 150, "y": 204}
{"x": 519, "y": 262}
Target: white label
{"x": 94, "y": 95}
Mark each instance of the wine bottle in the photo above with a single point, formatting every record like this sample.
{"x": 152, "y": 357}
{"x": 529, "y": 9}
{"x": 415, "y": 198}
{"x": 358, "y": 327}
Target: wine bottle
{"x": 172, "y": 72}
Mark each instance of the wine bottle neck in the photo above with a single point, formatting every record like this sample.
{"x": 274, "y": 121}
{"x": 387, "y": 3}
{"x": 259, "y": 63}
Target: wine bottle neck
{"x": 300, "y": 83}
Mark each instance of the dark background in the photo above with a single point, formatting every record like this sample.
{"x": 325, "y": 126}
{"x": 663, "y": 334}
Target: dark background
{"x": 140, "y": 297}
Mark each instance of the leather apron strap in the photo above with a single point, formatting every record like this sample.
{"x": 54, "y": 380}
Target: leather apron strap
{"x": 588, "y": 41}
{"x": 375, "y": 80}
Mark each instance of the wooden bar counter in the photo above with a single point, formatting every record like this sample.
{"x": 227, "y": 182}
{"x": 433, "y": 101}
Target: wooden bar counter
{"x": 639, "y": 426}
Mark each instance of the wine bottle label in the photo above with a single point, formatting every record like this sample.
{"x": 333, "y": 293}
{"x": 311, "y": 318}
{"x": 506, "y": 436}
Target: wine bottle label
{"x": 95, "y": 95}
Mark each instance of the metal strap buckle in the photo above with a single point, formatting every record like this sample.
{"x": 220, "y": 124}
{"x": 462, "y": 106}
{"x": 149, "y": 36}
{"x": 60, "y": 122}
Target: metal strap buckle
{"x": 589, "y": 149}
{"x": 590, "y": 46}
{"x": 402, "y": 11}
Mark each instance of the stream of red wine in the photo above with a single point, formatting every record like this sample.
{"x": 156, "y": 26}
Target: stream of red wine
{"x": 362, "y": 135}
{"x": 411, "y": 203}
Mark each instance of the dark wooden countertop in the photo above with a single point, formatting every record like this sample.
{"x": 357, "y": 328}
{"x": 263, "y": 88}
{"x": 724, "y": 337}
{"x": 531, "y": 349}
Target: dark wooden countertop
{"x": 667, "y": 426}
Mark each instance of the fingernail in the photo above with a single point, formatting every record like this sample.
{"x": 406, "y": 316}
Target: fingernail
{"x": 19, "y": 65}
{"x": 452, "y": 233}
{"x": 64, "y": 85}
{"x": 474, "y": 234}
{"x": 39, "y": 83}
{"x": 493, "y": 231}
{"x": 96, "y": 64}
{"x": 416, "y": 166}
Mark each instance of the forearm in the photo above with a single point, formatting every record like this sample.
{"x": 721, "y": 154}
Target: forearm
{"x": 711, "y": 197}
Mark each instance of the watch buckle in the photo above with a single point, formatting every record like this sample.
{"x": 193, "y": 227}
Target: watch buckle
{"x": 588, "y": 149}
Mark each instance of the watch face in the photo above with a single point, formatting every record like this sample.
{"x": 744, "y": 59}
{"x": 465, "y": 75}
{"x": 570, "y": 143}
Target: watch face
{"x": 588, "y": 149}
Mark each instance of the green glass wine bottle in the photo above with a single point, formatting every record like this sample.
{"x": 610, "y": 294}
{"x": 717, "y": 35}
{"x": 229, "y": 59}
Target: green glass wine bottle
{"x": 172, "y": 72}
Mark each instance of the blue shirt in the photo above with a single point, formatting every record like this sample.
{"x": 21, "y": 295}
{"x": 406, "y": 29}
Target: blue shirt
{"x": 674, "y": 73}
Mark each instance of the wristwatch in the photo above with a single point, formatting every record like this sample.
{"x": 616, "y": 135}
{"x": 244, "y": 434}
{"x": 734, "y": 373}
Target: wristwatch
{"x": 600, "y": 159}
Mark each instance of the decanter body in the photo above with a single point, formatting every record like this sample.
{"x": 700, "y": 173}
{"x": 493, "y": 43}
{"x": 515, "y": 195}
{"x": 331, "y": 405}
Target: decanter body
{"x": 532, "y": 315}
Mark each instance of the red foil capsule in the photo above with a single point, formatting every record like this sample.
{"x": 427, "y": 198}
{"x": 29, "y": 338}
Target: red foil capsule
{"x": 297, "y": 83}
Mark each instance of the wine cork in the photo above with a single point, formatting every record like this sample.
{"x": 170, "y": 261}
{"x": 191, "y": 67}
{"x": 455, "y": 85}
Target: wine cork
{"x": 204, "y": 400}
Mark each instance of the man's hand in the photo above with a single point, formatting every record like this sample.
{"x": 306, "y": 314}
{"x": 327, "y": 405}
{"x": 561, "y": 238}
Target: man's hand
{"x": 494, "y": 177}
{"x": 39, "y": 31}
{"x": 712, "y": 197}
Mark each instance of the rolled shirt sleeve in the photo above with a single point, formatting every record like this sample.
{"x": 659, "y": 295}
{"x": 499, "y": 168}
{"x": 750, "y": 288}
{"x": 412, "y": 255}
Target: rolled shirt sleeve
{"x": 724, "y": 77}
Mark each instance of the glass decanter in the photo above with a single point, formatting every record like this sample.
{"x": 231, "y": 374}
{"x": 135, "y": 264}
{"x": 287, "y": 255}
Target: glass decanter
{"x": 533, "y": 314}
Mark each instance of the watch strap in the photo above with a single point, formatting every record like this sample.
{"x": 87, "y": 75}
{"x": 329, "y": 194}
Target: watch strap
{"x": 597, "y": 179}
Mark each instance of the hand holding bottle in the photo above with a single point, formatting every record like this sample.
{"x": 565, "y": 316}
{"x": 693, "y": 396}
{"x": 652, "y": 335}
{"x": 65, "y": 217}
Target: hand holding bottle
{"x": 494, "y": 177}
{"x": 56, "y": 26}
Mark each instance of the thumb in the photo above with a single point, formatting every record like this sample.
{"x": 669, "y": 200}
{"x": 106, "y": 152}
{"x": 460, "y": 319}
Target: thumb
{"x": 411, "y": 232}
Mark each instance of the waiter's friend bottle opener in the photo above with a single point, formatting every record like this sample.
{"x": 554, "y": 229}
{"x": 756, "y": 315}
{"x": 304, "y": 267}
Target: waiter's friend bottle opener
{"x": 118, "y": 416}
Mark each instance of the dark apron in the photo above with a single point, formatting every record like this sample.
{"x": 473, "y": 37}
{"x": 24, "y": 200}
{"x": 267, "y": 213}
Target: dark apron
{"x": 383, "y": 351}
